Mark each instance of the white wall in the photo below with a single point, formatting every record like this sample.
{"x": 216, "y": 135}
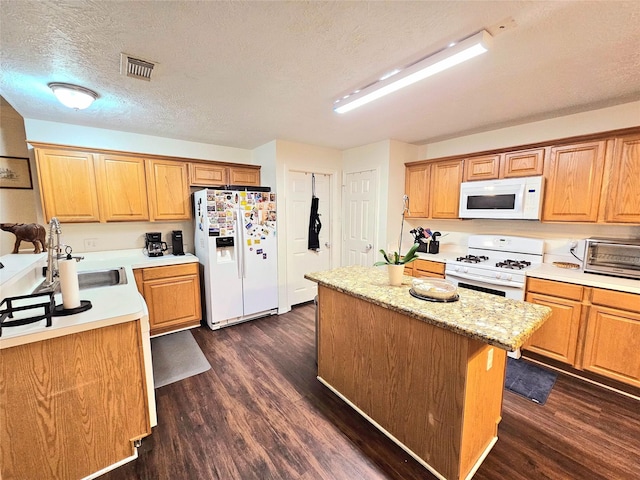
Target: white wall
{"x": 594, "y": 121}
{"x": 90, "y": 137}
{"x": 16, "y": 205}
{"x": 399, "y": 154}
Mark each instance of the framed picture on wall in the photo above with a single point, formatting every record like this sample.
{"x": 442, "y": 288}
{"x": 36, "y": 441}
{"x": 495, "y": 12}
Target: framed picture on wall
{"x": 15, "y": 173}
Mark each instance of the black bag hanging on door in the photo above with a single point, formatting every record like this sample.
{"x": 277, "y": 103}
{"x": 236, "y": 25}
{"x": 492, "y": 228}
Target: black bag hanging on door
{"x": 314, "y": 219}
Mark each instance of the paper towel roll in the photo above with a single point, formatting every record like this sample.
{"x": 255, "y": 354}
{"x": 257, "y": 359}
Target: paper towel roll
{"x": 69, "y": 284}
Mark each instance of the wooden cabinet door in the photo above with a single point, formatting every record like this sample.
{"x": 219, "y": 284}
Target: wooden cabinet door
{"x": 558, "y": 336}
{"x": 172, "y": 294}
{"x": 525, "y": 163}
{"x": 427, "y": 268}
{"x": 445, "y": 189}
{"x": 122, "y": 188}
{"x": 244, "y": 176}
{"x": 417, "y": 187}
{"x": 168, "y": 190}
{"x": 74, "y": 403}
{"x": 622, "y": 202}
{"x": 67, "y": 185}
{"x": 612, "y": 343}
{"x": 482, "y": 167}
{"x": 574, "y": 179}
{"x": 201, "y": 174}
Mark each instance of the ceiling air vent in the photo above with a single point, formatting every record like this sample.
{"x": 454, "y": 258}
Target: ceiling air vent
{"x": 135, "y": 67}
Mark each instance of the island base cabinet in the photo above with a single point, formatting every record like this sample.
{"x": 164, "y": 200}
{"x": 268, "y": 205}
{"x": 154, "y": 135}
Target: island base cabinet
{"x": 73, "y": 405}
{"x": 434, "y": 392}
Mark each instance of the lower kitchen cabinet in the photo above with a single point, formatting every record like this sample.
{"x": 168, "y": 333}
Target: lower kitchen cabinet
{"x": 425, "y": 268}
{"x": 612, "y": 339}
{"x": 172, "y": 294}
{"x": 72, "y": 405}
{"x": 590, "y": 329}
{"x": 558, "y": 336}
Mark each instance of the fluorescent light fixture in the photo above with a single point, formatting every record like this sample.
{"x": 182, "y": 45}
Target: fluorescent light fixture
{"x": 73, "y": 96}
{"x": 436, "y": 63}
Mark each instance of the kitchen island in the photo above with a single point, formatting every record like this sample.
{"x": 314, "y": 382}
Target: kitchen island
{"x": 429, "y": 375}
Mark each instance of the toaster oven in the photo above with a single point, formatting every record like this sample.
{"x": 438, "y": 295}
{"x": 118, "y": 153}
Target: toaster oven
{"x": 611, "y": 256}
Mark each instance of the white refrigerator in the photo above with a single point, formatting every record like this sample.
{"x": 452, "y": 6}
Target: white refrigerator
{"x": 235, "y": 242}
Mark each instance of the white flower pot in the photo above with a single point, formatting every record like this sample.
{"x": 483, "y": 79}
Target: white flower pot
{"x": 396, "y": 273}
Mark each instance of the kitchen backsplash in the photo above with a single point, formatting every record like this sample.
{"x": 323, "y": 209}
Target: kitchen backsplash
{"x": 557, "y": 237}
{"x": 91, "y": 237}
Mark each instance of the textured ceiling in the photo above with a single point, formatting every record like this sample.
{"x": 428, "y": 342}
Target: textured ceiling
{"x": 242, "y": 74}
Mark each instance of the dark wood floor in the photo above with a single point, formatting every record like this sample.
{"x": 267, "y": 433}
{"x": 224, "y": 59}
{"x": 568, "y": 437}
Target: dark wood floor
{"x": 260, "y": 413}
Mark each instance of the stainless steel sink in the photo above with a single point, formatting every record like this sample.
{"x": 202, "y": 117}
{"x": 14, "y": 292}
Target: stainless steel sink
{"x": 102, "y": 278}
{"x": 93, "y": 279}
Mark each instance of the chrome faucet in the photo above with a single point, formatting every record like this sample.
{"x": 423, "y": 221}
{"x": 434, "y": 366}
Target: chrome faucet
{"x": 53, "y": 252}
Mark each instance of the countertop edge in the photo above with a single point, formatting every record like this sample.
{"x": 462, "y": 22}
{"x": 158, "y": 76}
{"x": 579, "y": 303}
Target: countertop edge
{"x": 518, "y": 340}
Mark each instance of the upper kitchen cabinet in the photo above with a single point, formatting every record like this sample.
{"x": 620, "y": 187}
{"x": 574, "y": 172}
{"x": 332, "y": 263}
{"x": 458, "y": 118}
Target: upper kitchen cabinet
{"x": 67, "y": 180}
{"x": 622, "y": 198}
{"x": 523, "y": 163}
{"x": 204, "y": 174}
{"x": 168, "y": 189}
{"x": 433, "y": 189}
{"x": 417, "y": 182}
{"x": 574, "y": 179}
{"x": 445, "y": 188}
{"x": 245, "y": 175}
{"x": 520, "y": 163}
{"x": 482, "y": 167}
{"x": 122, "y": 188}
{"x": 213, "y": 174}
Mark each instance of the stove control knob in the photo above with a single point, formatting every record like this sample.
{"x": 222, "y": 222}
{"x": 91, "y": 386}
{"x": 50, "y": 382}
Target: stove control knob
{"x": 508, "y": 277}
{"x": 465, "y": 269}
{"x": 498, "y": 275}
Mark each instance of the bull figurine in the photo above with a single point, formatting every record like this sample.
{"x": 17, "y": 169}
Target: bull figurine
{"x": 29, "y": 232}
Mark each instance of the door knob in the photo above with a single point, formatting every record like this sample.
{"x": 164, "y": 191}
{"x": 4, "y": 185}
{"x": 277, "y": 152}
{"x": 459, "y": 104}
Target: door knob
{"x": 327, "y": 244}
{"x": 368, "y": 247}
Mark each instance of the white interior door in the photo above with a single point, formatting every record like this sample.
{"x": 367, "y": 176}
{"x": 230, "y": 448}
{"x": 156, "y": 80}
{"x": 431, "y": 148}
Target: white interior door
{"x": 300, "y": 259}
{"x": 360, "y": 218}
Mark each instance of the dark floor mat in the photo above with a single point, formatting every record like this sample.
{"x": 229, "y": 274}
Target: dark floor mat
{"x": 528, "y": 380}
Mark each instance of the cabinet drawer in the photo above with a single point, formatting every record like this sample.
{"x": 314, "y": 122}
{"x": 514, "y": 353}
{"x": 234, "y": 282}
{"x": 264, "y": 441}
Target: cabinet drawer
{"x": 154, "y": 273}
{"x": 426, "y": 267}
{"x": 555, "y": 289}
{"x": 613, "y": 299}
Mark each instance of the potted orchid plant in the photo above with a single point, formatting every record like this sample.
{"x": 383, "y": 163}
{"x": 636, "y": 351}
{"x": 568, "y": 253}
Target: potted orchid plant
{"x": 395, "y": 261}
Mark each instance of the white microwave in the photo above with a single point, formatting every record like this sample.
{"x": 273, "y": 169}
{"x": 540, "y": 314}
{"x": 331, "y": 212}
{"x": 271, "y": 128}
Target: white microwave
{"x": 508, "y": 198}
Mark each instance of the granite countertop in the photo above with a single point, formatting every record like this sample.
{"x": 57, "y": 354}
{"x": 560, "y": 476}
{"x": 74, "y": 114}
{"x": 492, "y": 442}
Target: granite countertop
{"x": 498, "y": 321}
{"x": 110, "y": 305}
{"x": 548, "y": 271}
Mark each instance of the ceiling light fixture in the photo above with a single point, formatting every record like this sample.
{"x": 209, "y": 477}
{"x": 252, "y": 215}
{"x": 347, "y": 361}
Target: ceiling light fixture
{"x": 73, "y": 96}
{"x": 426, "y": 67}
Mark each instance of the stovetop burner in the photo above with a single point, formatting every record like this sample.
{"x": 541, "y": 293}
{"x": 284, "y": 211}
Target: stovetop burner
{"x": 472, "y": 259}
{"x": 513, "y": 264}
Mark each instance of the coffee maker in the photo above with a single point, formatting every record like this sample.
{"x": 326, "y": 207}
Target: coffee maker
{"x": 154, "y": 244}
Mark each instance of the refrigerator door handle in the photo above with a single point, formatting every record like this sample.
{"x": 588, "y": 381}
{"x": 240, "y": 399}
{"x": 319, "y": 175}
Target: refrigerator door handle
{"x": 240, "y": 247}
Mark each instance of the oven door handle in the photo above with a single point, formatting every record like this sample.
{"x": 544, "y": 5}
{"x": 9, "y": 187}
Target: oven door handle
{"x": 492, "y": 281}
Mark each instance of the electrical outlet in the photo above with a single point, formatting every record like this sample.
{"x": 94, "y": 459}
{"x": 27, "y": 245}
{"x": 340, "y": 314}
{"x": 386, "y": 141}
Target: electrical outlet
{"x": 490, "y": 360}
{"x": 90, "y": 244}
